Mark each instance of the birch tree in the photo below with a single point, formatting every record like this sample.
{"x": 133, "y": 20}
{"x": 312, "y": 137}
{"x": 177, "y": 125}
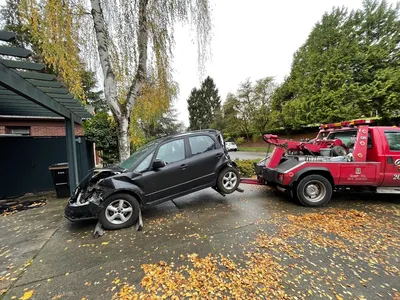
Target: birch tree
{"x": 132, "y": 40}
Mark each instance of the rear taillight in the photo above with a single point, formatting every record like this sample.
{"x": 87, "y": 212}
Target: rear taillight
{"x": 280, "y": 177}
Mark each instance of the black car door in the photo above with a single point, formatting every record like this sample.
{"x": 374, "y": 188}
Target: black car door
{"x": 206, "y": 157}
{"x": 170, "y": 179}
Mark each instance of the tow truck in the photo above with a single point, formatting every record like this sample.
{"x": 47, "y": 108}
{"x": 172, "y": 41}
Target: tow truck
{"x": 371, "y": 164}
{"x": 332, "y": 138}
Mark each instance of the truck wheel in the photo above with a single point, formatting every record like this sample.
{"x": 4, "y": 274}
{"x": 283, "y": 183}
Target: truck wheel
{"x": 119, "y": 211}
{"x": 228, "y": 180}
{"x": 314, "y": 190}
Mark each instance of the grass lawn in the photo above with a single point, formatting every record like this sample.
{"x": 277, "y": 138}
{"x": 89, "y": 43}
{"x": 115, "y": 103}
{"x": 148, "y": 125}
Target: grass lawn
{"x": 253, "y": 149}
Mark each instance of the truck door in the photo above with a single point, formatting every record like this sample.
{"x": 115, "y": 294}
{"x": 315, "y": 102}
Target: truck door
{"x": 392, "y": 169}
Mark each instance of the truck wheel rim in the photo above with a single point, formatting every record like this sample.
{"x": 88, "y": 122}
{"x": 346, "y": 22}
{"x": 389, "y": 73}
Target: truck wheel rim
{"x": 229, "y": 180}
{"x": 314, "y": 191}
{"x": 119, "y": 211}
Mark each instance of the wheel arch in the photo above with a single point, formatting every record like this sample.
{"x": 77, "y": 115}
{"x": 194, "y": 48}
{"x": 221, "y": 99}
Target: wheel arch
{"x": 131, "y": 192}
{"x": 226, "y": 164}
{"x": 312, "y": 171}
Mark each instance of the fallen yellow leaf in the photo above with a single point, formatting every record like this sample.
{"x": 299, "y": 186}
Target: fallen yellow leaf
{"x": 27, "y": 295}
{"x": 104, "y": 243}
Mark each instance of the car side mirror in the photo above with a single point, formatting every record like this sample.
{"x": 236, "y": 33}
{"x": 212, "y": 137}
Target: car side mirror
{"x": 158, "y": 163}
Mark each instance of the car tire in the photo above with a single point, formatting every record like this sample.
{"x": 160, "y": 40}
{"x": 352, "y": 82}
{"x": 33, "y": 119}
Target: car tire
{"x": 119, "y": 211}
{"x": 314, "y": 191}
{"x": 228, "y": 180}
{"x": 235, "y": 150}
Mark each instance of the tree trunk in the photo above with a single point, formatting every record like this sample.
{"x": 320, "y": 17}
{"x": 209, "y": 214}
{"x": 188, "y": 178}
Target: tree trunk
{"x": 110, "y": 83}
{"x": 121, "y": 112}
{"x": 124, "y": 145}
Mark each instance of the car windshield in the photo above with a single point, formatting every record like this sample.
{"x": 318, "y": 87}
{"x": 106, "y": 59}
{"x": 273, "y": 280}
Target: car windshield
{"x": 138, "y": 154}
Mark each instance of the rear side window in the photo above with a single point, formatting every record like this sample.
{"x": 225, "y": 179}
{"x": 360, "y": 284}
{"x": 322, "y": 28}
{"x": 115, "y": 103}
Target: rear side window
{"x": 200, "y": 144}
{"x": 393, "y": 139}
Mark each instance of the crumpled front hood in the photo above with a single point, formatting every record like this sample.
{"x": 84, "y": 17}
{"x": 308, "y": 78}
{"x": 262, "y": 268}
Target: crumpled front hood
{"x": 97, "y": 174}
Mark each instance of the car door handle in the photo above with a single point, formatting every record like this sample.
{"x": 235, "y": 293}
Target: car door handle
{"x": 219, "y": 155}
{"x": 183, "y": 167}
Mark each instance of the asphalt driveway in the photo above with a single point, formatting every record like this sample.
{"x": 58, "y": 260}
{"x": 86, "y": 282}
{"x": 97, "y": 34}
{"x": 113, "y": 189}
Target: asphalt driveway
{"x": 253, "y": 245}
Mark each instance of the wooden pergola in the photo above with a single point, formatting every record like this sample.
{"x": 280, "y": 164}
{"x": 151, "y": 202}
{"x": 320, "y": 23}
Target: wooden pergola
{"x": 26, "y": 91}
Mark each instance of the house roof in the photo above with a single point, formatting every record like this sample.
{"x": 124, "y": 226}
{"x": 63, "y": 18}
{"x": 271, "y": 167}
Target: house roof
{"x": 26, "y": 91}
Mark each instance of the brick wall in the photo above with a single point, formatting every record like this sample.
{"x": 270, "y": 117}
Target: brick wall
{"x": 53, "y": 130}
{"x": 39, "y": 127}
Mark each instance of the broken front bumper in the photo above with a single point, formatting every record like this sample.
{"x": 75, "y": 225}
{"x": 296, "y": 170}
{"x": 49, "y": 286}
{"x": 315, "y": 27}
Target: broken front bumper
{"x": 74, "y": 212}
{"x": 77, "y": 210}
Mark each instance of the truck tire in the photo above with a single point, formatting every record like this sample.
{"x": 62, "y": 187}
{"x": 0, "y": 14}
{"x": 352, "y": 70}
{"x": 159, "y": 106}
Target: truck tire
{"x": 314, "y": 190}
{"x": 119, "y": 211}
{"x": 228, "y": 180}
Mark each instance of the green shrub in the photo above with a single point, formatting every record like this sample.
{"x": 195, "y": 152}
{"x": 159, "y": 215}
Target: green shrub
{"x": 246, "y": 166}
{"x": 239, "y": 140}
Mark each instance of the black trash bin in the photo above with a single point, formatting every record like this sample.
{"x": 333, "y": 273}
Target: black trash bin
{"x": 60, "y": 175}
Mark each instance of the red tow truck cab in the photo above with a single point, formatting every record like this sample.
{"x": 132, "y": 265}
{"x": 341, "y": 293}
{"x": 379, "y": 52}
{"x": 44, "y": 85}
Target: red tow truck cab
{"x": 372, "y": 164}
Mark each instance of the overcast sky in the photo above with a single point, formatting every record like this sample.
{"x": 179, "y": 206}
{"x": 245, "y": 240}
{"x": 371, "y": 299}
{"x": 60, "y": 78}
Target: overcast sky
{"x": 250, "y": 38}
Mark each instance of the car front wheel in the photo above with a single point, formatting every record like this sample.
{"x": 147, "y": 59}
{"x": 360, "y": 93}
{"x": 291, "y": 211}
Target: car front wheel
{"x": 228, "y": 180}
{"x": 119, "y": 211}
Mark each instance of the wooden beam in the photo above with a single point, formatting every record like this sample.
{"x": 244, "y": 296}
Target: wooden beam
{"x": 24, "y": 107}
{"x": 15, "y": 51}
{"x": 23, "y": 104}
{"x": 51, "y": 90}
{"x": 35, "y": 75}
{"x": 26, "y": 112}
{"x": 22, "y": 65}
{"x": 7, "y": 92}
{"x": 7, "y": 36}
{"x": 61, "y": 96}
{"x": 42, "y": 83}
{"x": 16, "y": 83}
{"x": 11, "y": 97}
{"x": 61, "y": 100}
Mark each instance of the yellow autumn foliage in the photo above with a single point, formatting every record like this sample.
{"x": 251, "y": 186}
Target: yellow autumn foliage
{"x": 54, "y": 26}
{"x": 154, "y": 101}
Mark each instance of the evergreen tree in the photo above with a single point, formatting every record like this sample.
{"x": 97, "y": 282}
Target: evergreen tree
{"x": 94, "y": 98}
{"x": 203, "y": 105}
{"x": 348, "y": 68}
{"x": 209, "y": 93}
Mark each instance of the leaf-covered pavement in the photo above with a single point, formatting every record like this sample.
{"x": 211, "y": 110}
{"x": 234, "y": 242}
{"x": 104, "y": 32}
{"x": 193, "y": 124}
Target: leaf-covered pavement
{"x": 358, "y": 246}
{"x": 247, "y": 246}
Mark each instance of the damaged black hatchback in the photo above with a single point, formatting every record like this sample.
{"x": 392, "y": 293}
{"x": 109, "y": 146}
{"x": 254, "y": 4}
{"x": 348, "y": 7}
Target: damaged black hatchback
{"x": 163, "y": 169}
